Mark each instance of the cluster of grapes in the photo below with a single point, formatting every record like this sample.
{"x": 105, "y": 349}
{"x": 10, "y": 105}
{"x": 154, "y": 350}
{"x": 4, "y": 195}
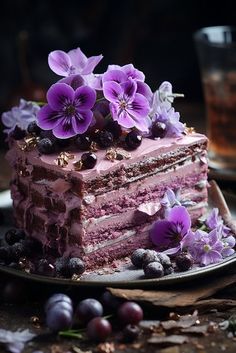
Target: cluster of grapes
{"x": 156, "y": 264}
{"x": 89, "y": 312}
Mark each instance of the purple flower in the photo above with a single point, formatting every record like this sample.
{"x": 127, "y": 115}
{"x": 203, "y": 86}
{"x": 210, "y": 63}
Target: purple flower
{"x": 214, "y": 220}
{"x": 15, "y": 340}
{"x": 174, "y": 128}
{"x": 168, "y": 233}
{"x": 73, "y": 62}
{"x": 20, "y": 116}
{"x": 121, "y": 74}
{"x": 128, "y": 108}
{"x": 229, "y": 244}
{"x": 68, "y": 111}
{"x": 171, "y": 199}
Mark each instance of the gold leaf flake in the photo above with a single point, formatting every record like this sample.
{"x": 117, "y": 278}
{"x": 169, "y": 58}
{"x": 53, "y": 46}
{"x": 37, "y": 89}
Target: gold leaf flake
{"x": 78, "y": 165}
{"x": 117, "y": 154}
{"x": 28, "y": 143}
{"x": 63, "y": 159}
{"x": 189, "y": 130}
{"x": 111, "y": 154}
{"x": 93, "y": 146}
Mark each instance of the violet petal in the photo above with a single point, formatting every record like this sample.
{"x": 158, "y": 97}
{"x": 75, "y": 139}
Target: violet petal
{"x": 84, "y": 98}
{"x": 112, "y": 90}
{"x": 114, "y": 75}
{"x": 58, "y": 94}
{"x": 48, "y": 118}
{"x": 82, "y": 121}
{"x": 59, "y": 62}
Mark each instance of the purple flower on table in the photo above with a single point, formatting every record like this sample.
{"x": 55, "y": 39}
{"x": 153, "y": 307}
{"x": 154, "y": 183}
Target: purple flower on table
{"x": 163, "y": 97}
{"x": 128, "y": 108}
{"x": 68, "y": 111}
{"x": 121, "y": 74}
{"x": 168, "y": 233}
{"x": 73, "y": 62}
{"x": 174, "y": 128}
{"x": 15, "y": 340}
{"x": 229, "y": 244}
{"x": 20, "y": 116}
{"x": 214, "y": 220}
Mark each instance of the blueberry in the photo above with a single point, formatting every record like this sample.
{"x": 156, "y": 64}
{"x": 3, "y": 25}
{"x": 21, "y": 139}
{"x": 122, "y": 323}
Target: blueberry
{"x": 133, "y": 139}
{"x": 76, "y": 266}
{"x": 105, "y": 139}
{"x": 82, "y": 142}
{"x": 18, "y": 133}
{"x": 45, "y": 146}
{"x": 150, "y": 256}
{"x": 184, "y": 261}
{"x": 58, "y": 318}
{"x": 33, "y": 128}
{"x": 45, "y": 268}
{"x": 114, "y": 128}
{"x": 61, "y": 266}
{"x": 154, "y": 270}
{"x": 88, "y": 160}
{"x": 164, "y": 260}
{"x": 137, "y": 257}
{"x": 88, "y": 309}
{"x": 109, "y": 301}
{"x": 130, "y": 333}
{"x": 57, "y": 298}
{"x": 13, "y": 236}
{"x": 158, "y": 129}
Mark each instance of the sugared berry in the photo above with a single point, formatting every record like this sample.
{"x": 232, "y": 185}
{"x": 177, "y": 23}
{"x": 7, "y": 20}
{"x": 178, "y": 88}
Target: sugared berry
{"x": 33, "y": 128}
{"x": 168, "y": 270}
{"x": 13, "y": 236}
{"x": 133, "y": 139}
{"x": 82, "y": 142}
{"x": 130, "y": 333}
{"x": 130, "y": 313}
{"x": 113, "y": 127}
{"x": 58, "y": 318}
{"x": 45, "y": 146}
{"x": 61, "y": 266}
{"x": 150, "y": 256}
{"x": 164, "y": 260}
{"x": 158, "y": 129}
{"x": 57, "y": 298}
{"x": 88, "y": 160}
{"x": 105, "y": 139}
{"x": 137, "y": 257}
{"x": 45, "y": 268}
{"x": 88, "y": 309}
{"x": 76, "y": 266}
{"x": 184, "y": 262}
{"x": 154, "y": 270}
{"x": 18, "y": 133}
{"x": 98, "y": 329}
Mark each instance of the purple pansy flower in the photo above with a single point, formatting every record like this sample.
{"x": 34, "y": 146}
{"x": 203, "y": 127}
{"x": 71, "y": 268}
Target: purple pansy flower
{"x": 121, "y": 74}
{"x": 73, "y": 62}
{"x": 168, "y": 233}
{"x": 128, "y": 108}
{"x": 20, "y": 116}
{"x": 214, "y": 220}
{"x": 174, "y": 128}
{"x": 68, "y": 111}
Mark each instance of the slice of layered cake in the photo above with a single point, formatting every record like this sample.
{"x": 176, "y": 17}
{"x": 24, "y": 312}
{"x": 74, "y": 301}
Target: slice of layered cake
{"x": 91, "y": 166}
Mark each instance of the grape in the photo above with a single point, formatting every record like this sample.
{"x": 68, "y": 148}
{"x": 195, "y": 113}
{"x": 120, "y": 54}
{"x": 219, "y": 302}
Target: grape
{"x": 57, "y": 298}
{"x": 88, "y": 309}
{"x": 59, "y": 318}
{"x": 109, "y": 301}
{"x": 98, "y": 329}
{"x": 130, "y": 313}
{"x": 130, "y": 333}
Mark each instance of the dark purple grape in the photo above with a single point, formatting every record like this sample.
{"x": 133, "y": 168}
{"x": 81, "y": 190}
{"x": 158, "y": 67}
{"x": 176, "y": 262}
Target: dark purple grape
{"x": 137, "y": 257}
{"x": 150, "y": 256}
{"x": 184, "y": 262}
{"x": 13, "y": 236}
{"x": 133, "y": 139}
{"x": 130, "y": 333}
{"x": 109, "y": 301}
{"x": 33, "y": 128}
{"x": 76, "y": 266}
{"x": 18, "y": 133}
{"x": 154, "y": 270}
{"x": 88, "y": 309}
{"x": 45, "y": 146}
{"x": 82, "y": 142}
{"x": 57, "y": 298}
{"x": 58, "y": 318}
{"x": 130, "y": 313}
{"x": 61, "y": 266}
{"x": 98, "y": 329}
{"x": 45, "y": 268}
{"x": 158, "y": 129}
{"x": 88, "y": 160}
{"x": 105, "y": 139}
{"x": 113, "y": 127}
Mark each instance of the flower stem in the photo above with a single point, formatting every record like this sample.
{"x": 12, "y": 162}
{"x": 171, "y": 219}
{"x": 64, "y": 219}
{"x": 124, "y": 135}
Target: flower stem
{"x": 100, "y": 99}
{"x": 38, "y": 103}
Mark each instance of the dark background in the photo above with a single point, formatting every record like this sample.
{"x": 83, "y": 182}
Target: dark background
{"x": 155, "y": 35}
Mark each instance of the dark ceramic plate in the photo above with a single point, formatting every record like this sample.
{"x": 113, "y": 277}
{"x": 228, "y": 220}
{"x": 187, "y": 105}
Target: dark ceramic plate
{"x": 126, "y": 276}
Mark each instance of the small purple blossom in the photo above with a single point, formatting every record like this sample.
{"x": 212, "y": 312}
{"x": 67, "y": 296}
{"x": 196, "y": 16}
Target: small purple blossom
{"x": 169, "y": 233}
{"x": 174, "y": 128}
{"x": 228, "y": 245}
{"x": 15, "y": 340}
{"x": 214, "y": 220}
{"x": 20, "y": 116}
{"x": 128, "y": 108}
{"x": 68, "y": 111}
{"x": 171, "y": 199}
{"x": 73, "y": 62}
